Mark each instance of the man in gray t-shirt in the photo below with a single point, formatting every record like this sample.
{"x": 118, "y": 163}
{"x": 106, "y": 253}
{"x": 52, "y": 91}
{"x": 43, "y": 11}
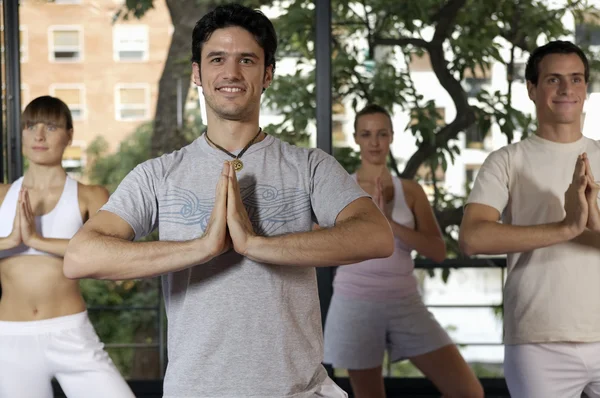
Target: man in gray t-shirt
{"x": 235, "y": 211}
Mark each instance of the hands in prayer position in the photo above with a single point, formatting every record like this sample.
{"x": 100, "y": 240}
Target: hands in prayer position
{"x": 229, "y": 225}
{"x": 24, "y": 228}
{"x": 581, "y": 199}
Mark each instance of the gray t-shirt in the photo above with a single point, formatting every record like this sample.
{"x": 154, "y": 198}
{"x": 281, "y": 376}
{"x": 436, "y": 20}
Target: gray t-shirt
{"x": 238, "y": 328}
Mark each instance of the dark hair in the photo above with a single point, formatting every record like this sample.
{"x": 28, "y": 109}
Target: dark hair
{"x": 554, "y": 47}
{"x": 47, "y": 110}
{"x": 228, "y": 15}
{"x": 372, "y": 109}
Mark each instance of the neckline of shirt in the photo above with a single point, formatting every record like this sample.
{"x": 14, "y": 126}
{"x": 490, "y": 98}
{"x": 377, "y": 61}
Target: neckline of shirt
{"x": 559, "y": 146}
{"x": 205, "y": 146}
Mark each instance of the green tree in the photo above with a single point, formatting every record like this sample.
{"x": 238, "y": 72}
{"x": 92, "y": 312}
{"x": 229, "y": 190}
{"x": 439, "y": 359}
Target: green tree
{"x": 460, "y": 37}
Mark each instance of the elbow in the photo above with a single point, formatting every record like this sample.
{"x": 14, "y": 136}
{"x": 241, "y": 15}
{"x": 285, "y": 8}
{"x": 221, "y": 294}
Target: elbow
{"x": 385, "y": 240}
{"x": 440, "y": 255}
{"x": 467, "y": 244}
{"x": 74, "y": 265}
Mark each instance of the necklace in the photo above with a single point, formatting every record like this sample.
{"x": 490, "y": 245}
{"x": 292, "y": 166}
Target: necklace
{"x": 236, "y": 162}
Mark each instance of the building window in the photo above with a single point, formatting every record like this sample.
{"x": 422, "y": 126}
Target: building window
{"x": 23, "y": 43}
{"x": 24, "y": 96}
{"x": 66, "y": 43}
{"x": 587, "y": 34}
{"x": 65, "y": 1}
{"x": 519, "y": 72}
{"x": 130, "y": 43}
{"x": 474, "y": 86}
{"x": 420, "y": 62}
{"x": 440, "y": 117}
{"x": 476, "y": 133}
{"x": 73, "y": 160}
{"x": 132, "y": 102}
{"x": 73, "y": 95}
{"x": 471, "y": 171}
{"x": 476, "y": 79}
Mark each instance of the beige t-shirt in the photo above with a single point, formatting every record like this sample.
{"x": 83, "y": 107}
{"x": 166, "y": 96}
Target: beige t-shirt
{"x": 551, "y": 294}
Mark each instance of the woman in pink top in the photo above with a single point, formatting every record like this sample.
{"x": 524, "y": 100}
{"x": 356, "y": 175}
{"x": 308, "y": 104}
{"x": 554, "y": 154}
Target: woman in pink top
{"x": 44, "y": 328}
{"x": 376, "y": 305}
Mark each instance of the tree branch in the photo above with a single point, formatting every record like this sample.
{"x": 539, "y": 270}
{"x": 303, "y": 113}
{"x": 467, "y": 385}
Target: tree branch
{"x": 401, "y": 42}
{"x": 446, "y": 19}
{"x": 464, "y": 114}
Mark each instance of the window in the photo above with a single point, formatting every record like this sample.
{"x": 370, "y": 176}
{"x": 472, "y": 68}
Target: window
{"x": 476, "y": 79}
{"x": 587, "y": 34}
{"x": 440, "y": 118}
{"x": 65, "y": 43}
{"x": 471, "y": 171}
{"x": 132, "y": 102}
{"x": 23, "y": 43}
{"x": 474, "y": 86}
{"x": 130, "y": 43}
{"x": 337, "y": 133}
{"x": 519, "y": 71}
{"x": 65, "y": 1}
{"x": 24, "y": 96}
{"x": 420, "y": 63}
{"x": 74, "y": 158}
{"x": 73, "y": 95}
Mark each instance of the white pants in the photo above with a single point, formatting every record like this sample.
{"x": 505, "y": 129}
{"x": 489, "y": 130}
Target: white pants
{"x": 68, "y": 348}
{"x": 561, "y": 370}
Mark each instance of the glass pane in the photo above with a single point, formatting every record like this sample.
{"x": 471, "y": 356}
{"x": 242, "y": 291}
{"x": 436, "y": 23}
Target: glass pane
{"x": 129, "y": 34}
{"x": 77, "y": 113}
{"x": 137, "y": 363}
{"x": 476, "y": 286}
{"x": 133, "y": 113}
{"x": 66, "y": 37}
{"x": 68, "y": 95}
{"x": 471, "y": 325}
{"x": 131, "y": 55}
{"x": 132, "y": 96}
{"x": 66, "y": 55}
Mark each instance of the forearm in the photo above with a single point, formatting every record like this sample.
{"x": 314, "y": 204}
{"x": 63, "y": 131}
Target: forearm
{"x": 58, "y": 247}
{"x": 489, "y": 237}
{"x": 348, "y": 242}
{"x": 7, "y": 243}
{"x": 430, "y": 246}
{"x": 104, "y": 257}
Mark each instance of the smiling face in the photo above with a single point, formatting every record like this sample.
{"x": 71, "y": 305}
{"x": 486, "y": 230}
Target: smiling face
{"x": 374, "y": 136}
{"x": 561, "y": 89}
{"x": 232, "y": 74}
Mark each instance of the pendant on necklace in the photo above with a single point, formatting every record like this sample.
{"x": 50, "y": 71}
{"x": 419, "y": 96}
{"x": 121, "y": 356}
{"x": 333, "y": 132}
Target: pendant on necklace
{"x": 237, "y": 164}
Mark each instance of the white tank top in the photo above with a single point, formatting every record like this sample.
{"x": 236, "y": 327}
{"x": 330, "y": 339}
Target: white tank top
{"x": 62, "y": 222}
{"x": 383, "y": 278}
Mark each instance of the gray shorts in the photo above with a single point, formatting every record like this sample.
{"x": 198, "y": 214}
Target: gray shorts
{"x": 357, "y": 331}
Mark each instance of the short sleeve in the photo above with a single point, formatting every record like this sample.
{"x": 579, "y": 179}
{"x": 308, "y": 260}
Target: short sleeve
{"x": 331, "y": 187}
{"x": 491, "y": 184}
{"x": 135, "y": 199}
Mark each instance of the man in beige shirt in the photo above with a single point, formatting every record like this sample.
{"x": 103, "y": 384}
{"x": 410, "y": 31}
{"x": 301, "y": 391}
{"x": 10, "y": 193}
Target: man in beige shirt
{"x": 552, "y": 299}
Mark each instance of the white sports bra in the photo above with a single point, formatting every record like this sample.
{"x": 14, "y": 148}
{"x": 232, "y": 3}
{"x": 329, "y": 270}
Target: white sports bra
{"x": 62, "y": 222}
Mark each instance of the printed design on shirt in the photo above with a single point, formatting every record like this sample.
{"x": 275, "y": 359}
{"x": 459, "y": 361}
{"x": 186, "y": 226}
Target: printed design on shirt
{"x": 268, "y": 208}
{"x": 182, "y": 206}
